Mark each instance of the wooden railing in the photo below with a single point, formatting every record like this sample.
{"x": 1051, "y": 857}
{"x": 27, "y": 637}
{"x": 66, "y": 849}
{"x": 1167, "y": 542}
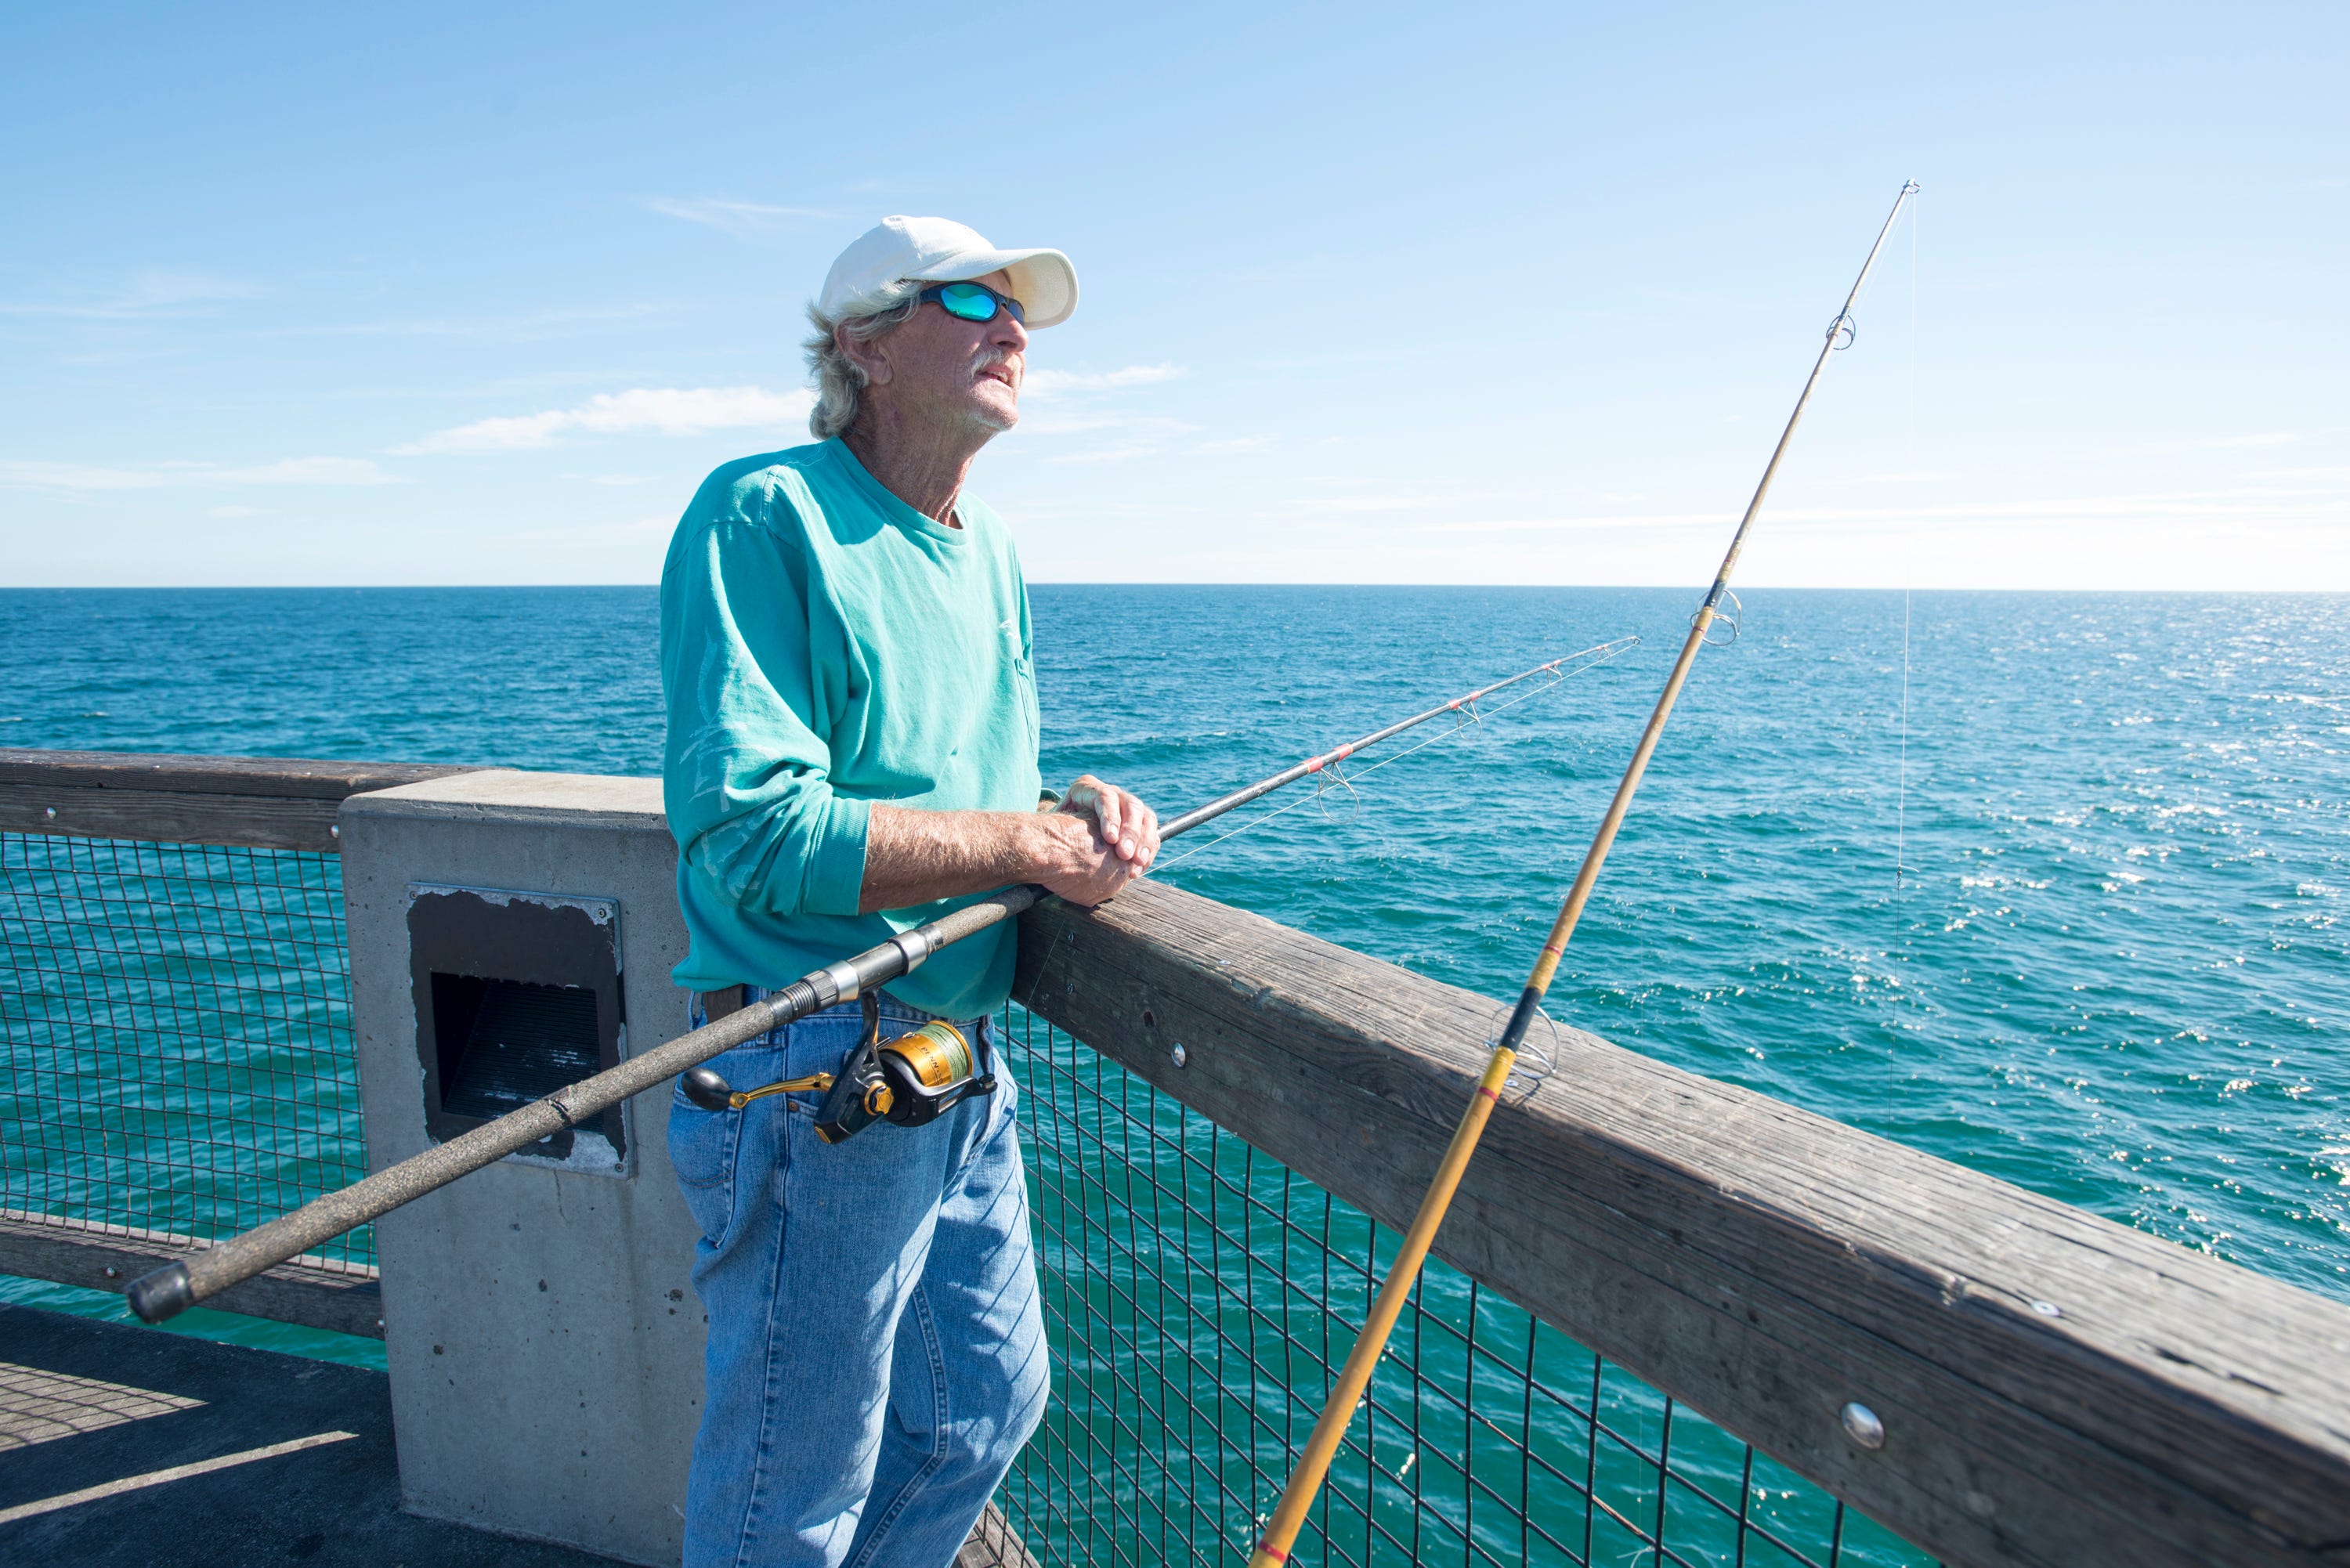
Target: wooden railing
{"x": 98, "y": 1257}
{"x": 257, "y": 802}
{"x": 2050, "y": 1387}
{"x": 260, "y": 802}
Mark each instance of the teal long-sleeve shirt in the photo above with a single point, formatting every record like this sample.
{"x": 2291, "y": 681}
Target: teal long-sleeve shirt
{"x": 825, "y": 646}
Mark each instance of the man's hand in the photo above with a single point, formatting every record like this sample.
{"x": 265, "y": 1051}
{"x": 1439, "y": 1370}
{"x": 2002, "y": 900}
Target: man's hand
{"x": 1093, "y": 843}
{"x": 1124, "y": 823}
{"x": 1068, "y": 857}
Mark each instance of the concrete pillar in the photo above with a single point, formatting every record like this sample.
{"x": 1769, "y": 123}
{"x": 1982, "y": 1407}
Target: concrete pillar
{"x": 544, "y": 1339}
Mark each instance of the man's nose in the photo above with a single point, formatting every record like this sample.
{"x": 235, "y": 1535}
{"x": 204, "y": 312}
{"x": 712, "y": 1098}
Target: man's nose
{"x": 1008, "y": 335}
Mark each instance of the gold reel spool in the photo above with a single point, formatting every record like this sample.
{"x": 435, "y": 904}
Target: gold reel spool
{"x": 935, "y": 1057}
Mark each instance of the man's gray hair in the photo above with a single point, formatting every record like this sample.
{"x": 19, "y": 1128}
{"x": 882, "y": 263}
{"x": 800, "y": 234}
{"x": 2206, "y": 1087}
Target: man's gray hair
{"x": 840, "y": 382}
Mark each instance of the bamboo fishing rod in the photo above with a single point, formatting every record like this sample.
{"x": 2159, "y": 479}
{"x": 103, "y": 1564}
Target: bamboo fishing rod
{"x": 1354, "y": 1378}
{"x": 169, "y": 1290}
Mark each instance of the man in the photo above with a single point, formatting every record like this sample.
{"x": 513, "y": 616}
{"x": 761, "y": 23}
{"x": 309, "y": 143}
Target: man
{"x": 852, "y": 751}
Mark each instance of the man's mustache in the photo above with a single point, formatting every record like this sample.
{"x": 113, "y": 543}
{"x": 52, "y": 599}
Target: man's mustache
{"x": 987, "y": 359}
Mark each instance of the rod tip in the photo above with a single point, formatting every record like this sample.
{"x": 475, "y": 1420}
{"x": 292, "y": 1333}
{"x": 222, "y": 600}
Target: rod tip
{"x": 164, "y": 1293}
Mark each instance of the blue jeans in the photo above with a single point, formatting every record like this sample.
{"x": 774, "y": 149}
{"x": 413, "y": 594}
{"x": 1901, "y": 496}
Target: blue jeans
{"x": 876, "y": 1351}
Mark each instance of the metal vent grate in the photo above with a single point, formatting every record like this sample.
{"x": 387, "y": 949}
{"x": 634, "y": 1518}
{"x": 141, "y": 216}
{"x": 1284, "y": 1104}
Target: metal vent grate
{"x": 525, "y": 1042}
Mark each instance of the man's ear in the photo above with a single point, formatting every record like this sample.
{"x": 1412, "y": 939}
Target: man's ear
{"x": 872, "y": 358}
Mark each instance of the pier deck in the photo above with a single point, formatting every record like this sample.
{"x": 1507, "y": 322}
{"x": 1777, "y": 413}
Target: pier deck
{"x": 98, "y": 1408}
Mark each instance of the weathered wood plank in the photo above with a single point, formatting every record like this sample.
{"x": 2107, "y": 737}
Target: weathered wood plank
{"x": 1761, "y": 1263}
{"x": 993, "y": 1543}
{"x": 248, "y": 821}
{"x": 300, "y": 778}
{"x": 110, "y": 1258}
{"x": 263, "y": 802}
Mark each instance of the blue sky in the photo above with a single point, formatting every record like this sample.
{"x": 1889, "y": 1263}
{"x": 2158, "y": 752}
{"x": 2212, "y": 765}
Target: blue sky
{"x": 441, "y": 295}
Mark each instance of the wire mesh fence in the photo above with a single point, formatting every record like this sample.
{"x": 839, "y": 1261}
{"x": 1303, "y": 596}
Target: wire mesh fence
{"x": 1201, "y": 1297}
{"x": 176, "y": 1018}
{"x": 180, "y": 1063}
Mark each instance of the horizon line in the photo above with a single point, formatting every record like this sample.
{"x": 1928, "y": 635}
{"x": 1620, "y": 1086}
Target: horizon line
{"x": 1153, "y": 583}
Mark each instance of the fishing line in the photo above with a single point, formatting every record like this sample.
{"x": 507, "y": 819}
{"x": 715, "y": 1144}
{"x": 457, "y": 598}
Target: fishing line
{"x": 1596, "y": 657}
{"x": 1350, "y": 1389}
{"x": 171, "y": 1290}
{"x": 1914, "y": 241}
{"x": 1336, "y": 771}
{"x": 1336, "y": 774}
{"x": 1901, "y": 801}
{"x": 1901, "y": 797}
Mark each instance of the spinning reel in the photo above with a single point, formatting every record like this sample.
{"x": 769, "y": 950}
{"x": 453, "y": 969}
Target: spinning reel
{"x": 910, "y": 1080}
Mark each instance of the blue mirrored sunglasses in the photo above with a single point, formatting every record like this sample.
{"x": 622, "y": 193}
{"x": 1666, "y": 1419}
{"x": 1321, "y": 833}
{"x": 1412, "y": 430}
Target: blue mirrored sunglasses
{"x": 974, "y": 301}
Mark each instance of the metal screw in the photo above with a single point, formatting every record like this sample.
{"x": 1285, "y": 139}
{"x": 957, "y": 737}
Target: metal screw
{"x": 1176, "y": 1055}
{"x": 1861, "y": 1425}
{"x": 112, "y": 1272}
{"x": 334, "y": 830}
{"x": 2047, "y": 1309}
{"x": 50, "y": 812}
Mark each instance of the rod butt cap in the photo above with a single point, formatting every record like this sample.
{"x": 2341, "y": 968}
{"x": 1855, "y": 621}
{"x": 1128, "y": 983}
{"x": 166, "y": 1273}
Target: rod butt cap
{"x": 164, "y": 1293}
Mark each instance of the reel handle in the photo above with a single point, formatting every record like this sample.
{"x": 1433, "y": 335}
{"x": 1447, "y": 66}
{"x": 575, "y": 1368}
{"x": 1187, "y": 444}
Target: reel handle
{"x": 707, "y": 1089}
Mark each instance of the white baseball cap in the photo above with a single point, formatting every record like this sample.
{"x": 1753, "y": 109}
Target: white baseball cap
{"x": 940, "y": 250}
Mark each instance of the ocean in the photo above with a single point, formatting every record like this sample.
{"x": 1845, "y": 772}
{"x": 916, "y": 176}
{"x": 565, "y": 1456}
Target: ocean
{"x": 2115, "y": 966}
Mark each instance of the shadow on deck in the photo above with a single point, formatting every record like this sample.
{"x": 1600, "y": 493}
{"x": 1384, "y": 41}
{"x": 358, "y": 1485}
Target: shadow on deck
{"x": 122, "y": 1446}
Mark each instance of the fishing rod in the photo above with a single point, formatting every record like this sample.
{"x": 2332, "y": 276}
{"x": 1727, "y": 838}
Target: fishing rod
{"x": 1354, "y": 1379}
{"x": 167, "y": 1291}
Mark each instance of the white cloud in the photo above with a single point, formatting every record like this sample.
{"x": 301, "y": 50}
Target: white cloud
{"x": 571, "y": 532}
{"x": 1365, "y": 503}
{"x": 309, "y": 471}
{"x": 232, "y": 511}
{"x": 1137, "y": 435}
{"x": 329, "y": 470}
{"x": 1134, "y": 436}
{"x": 2249, "y": 504}
{"x": 1623, "y": 520}
{"x": 527, "y": 326}
{"x": 734, "y": 217}
{"x": 1127, "y": 452}
{"x": 643, "y": 410}
{"x": 81, "y": 476}
{"x": 1051, "y": 383}
{"x": 2266, "y": 438}
{"x": 149, "y": 294}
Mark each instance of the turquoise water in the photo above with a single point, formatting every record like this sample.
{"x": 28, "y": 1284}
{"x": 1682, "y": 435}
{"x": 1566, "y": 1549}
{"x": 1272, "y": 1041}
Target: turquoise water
{"x": 2116, "y": 969}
